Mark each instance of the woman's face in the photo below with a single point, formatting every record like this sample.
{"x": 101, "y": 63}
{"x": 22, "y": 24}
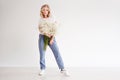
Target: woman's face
{"x": 45, "y": 11}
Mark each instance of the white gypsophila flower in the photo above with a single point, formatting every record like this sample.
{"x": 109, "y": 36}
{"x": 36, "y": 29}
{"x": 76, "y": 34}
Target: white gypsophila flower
{"x": 48, "y": 28}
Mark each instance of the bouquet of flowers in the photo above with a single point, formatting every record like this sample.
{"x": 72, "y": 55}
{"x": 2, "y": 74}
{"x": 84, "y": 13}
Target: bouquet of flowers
{"x": 47, "y": 28}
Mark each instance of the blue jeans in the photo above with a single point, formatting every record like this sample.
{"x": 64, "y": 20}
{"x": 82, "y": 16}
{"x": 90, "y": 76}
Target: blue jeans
{"x": 55, "y": 51}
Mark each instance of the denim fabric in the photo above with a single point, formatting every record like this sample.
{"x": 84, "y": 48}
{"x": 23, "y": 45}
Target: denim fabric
{"x": 55, "y": 51}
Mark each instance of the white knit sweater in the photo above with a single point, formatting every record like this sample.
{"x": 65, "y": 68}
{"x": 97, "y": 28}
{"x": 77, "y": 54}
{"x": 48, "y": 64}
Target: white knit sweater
{"x": 50, "y": 19}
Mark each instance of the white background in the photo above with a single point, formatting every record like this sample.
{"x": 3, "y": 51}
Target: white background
{"x": 89, "y": 33}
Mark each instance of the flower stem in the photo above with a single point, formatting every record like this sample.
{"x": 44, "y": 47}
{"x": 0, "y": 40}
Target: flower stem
{"x": 46, "y": 41}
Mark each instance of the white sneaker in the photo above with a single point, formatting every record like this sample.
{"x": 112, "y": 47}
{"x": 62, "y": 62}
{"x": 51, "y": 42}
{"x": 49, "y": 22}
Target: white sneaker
{"x": 42, "y": 72}
{"x": 65, "y": 73}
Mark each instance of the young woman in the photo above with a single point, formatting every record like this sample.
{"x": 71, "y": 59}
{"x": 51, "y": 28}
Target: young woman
{"x": 45, "y": 15}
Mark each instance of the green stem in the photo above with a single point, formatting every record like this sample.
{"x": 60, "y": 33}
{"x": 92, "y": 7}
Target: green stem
{"x": 46, "y": 41}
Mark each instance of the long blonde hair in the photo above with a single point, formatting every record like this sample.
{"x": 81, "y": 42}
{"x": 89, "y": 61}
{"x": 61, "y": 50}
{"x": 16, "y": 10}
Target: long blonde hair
{"x": 49, "y": 12}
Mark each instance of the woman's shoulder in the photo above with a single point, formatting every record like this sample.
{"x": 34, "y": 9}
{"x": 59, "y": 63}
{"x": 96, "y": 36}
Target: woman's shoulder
{"x": 40, "y": 20}
{"x": 51, "y": 19}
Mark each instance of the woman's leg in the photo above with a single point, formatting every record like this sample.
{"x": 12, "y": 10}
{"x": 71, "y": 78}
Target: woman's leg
{"x": 57, "y": 55}
{"x": 42, "y": 52}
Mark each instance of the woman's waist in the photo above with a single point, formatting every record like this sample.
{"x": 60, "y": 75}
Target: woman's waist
{"x": 45, "y": 35}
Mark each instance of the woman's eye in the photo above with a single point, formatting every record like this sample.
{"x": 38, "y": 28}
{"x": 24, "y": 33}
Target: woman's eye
{"x": 46, "y": 10}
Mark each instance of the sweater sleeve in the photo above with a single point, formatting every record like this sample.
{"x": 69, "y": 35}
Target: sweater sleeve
{"x": 39, "y": 26}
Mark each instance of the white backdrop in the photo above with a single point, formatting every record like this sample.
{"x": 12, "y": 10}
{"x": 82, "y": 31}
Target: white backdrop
{"x": 89, "y": 33}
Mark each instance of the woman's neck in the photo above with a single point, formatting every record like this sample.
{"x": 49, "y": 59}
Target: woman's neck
{"x": 45, "y": 16}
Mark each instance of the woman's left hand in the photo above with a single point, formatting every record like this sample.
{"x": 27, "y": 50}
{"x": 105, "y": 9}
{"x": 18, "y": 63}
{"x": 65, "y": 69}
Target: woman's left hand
{"x": 51, "y": 41}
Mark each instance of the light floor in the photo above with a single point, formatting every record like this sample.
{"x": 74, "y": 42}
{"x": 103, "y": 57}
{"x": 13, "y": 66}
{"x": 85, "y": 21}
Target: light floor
{"x": 80, "y": 73}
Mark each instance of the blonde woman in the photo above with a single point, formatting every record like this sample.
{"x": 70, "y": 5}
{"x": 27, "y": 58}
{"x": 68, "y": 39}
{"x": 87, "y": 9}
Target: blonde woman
{"x": 45, "y": 15}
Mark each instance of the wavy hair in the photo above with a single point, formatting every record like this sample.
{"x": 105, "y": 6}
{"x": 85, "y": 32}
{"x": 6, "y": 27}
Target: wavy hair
{"x": 49, "y": 12}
